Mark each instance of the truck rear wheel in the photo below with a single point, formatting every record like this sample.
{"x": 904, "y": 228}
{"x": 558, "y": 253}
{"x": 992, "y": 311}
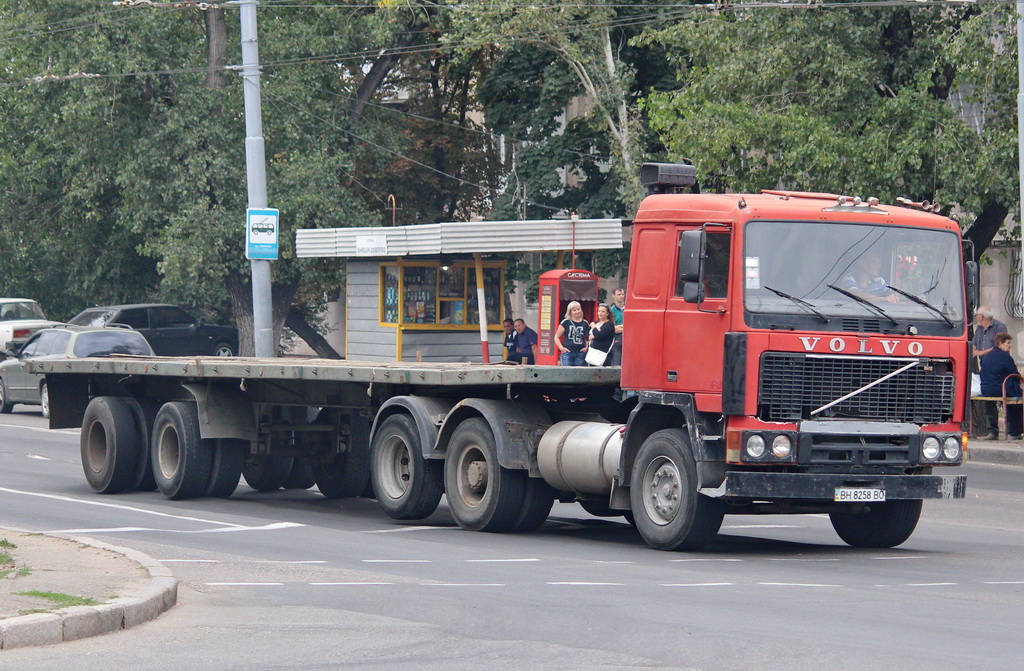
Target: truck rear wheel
{"x": 347, "y": 474}
{"x": 265, "y": 474}
{"x": 537, "y": 502}
{"x": 482, "y": 495}
{"x": 407, "y": 486}
{"x": 181, "y": 458}
{"x": 669, "y": 512}
{"x": 144, "y": 411}
{"x": 884, "y": 525}
{"x": 110, "y": 445}
{"x": 226, "y": 466}
{"x": 301, "y": 475}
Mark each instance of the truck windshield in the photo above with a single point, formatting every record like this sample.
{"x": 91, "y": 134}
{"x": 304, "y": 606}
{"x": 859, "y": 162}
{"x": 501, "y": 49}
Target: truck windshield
{"x": 827, "y": 272}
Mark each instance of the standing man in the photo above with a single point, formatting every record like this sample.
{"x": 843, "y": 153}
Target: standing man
{"x": 511, "y": 337}
{"x": 985, "y": 331}
{"x": 526, "y": 344}
{"x": 618, "y": 309}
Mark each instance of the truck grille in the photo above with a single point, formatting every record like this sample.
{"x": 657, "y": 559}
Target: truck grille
{"x": 792, "y": 385}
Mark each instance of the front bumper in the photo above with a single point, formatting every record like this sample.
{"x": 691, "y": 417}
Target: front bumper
{"x": 822, "y": 487}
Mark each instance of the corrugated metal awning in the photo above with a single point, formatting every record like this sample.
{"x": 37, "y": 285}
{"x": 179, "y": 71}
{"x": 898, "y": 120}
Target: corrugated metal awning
{"x": 466, "y": 237}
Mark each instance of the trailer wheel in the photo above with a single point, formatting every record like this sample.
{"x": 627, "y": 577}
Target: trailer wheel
{"x": 301, "y": 475}
{"x": 482, "y": 495}
{"x": 265, "y": 474}
{"x": 407, "y": 486}
{"x": 884, "y": 525}
{"x": 144, "y": 411}
{"x": 110, "y": 445}
{"x": 669, "y": 512}
{"x": 181, "y": 458}
{"x": 537, "y": 502}
{"x": 226, "y": 466}
{"x": 346, "y": 475}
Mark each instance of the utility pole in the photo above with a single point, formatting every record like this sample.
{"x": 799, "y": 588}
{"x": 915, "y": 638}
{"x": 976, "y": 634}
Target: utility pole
{"x": 256, "y": 175}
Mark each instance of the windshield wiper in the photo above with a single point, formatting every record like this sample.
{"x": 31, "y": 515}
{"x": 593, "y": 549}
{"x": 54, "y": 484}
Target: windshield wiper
{"x": 865, "y": 302}
{"x": 923, "y": 303}
{"x": 799, "y": 301}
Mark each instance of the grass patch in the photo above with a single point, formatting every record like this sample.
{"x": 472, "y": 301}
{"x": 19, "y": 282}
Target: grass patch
{"x": 5, "y": 559}
{"x": 61, "y": 600}
{"x": 6, "y": 544}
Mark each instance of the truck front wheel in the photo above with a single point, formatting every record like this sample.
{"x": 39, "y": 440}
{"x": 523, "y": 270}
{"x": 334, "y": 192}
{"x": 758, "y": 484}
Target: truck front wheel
{"x": 408, "y": 487}
{"x": 482, "y": 494}
{"x": 181, "y": 458}
{"x": 110, "y": 445}
{"x": 669, "y": 512}
{"x": 883, "y": 525}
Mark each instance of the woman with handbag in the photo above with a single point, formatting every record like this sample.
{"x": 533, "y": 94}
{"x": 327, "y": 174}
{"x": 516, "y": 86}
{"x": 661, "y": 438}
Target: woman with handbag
{"x": 571, "y": 336}
{"x": 602, "y": 333}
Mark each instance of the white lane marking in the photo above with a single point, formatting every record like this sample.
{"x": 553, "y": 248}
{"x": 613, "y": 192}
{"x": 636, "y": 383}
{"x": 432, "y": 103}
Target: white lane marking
{"x": 1003, "y": 582}
{"x": 708, "y": 559}
{"x": 189, "y": 561}
{"x": 236, "y": 527}
{"x": 608, "y": 561}
{"x": 118, "y": 506}
{"x": 585, "y": 584}
{"x": 38, "y": 456}
{"x": 761, "y": 526}
{"x": 36, "y": 428}
{"x": 347, "y": 584}
{"x": 886, "y": 558}
{"x": 491, "y": 561}
{"x": 400, "y": 529}
{"x": 797, "y": 559}
{"x": 297, "y": 561}
{"x": 796, "y": 584}
{"x": 929, "y": 584}
{"x": 697, "y": 584}
{"x": 396, "y": 561}
{"x": 246, "y": 584}
{"x": 462, "y": 584}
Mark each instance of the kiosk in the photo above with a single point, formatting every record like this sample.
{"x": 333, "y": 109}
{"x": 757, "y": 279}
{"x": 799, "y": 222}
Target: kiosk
{"x": 557, "y": 289}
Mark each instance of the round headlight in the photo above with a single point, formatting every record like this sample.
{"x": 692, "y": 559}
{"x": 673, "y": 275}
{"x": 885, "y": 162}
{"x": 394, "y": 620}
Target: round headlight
{"x": 781, "y": 447}
{"x": 755, "y": 446}
{"x": 930, "y": 448}
{"x": 951, "y": 448}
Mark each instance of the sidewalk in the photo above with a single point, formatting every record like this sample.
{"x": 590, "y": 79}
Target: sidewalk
{"x": 1009, "y": 452}
{"x": 123, "y": 587}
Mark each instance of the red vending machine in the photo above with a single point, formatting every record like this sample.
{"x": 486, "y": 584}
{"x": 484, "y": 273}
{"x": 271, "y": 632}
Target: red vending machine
{"x": 558, "y": 288}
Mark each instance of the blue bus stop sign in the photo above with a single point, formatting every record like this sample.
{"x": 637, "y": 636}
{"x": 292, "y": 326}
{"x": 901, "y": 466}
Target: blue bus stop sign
{"x": 261, "y": 233}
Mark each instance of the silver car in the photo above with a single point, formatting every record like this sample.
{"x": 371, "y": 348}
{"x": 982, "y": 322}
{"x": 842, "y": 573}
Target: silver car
{"x": 17, "y": 385}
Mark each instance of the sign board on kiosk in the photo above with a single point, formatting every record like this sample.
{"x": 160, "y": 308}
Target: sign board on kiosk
{"x": 558, "y": 288}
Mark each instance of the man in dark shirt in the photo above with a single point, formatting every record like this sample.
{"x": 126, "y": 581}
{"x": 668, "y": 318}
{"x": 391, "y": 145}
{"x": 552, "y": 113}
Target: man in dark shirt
{"x": 985, "y": 331}
{"x": 526, "y": 344}
{"x": 511, "y": 338}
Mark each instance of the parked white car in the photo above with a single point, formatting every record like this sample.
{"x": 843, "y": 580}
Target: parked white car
{"x": 19, "y": 319}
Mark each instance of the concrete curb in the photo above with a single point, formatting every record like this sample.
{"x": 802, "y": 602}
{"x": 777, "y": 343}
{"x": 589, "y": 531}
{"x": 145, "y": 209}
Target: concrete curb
{"x": 69, "y": 624}
{"x": 993, "y": 452}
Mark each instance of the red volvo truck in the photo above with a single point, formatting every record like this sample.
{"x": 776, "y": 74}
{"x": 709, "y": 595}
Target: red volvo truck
{"x": 783, "y": 353}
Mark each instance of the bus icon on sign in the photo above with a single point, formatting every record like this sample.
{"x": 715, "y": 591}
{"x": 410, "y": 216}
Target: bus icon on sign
{"x": 263, "y": 226}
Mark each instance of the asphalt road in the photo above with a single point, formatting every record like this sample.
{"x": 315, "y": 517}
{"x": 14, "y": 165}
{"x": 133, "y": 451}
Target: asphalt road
{"x": 289, "y": 580}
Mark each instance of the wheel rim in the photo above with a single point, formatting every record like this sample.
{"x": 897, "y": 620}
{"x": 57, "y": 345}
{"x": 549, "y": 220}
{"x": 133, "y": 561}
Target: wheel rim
{"x": 168, "y": 452}
{"x": 96, "y": 447}
{"x": 44, "y": 400}
{"x": 396, "y": 475}
{"x": 223, "y": 350}
{"x": 662, "y": 485}
{"x": 471, "y": 476}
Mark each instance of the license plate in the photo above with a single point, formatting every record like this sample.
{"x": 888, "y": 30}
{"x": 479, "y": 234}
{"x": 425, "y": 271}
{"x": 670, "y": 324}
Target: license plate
{"x": 859, "y": 494}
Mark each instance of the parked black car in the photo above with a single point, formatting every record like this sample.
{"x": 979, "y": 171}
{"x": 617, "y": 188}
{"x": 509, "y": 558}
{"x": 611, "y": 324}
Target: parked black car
{"x": 170, "y": 330}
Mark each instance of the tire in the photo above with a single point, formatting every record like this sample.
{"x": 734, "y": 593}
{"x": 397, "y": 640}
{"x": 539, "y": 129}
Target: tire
{"x": 301, "y": 475}
{"x": 5, "y": 405}
{"x": 110, "y": 445}
{"x": 346, "y": 475}
{"x": 223, "y": 349}
{"x": 537, "y": 502}
{"x": 226, "y": 467}
{"x": 407, "y": 486}
{"x": 144, "y": 410}
{"x": 482, "y": 495}
{"x": 265, "y": 474}
{"x": 181, "y": 458}
{"x": 884, "y": 525}
{"x": 668, "y": 511}
{"x": 44, "y": 400}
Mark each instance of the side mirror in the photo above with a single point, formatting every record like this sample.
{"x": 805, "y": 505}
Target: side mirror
{"x": 971, "y": 285}
{"x": 693, "y": 292}
{"x": 691, "y": 255}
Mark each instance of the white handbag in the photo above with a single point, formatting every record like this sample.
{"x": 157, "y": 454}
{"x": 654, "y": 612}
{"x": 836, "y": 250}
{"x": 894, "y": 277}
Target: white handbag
{"x": 596, "y": 357}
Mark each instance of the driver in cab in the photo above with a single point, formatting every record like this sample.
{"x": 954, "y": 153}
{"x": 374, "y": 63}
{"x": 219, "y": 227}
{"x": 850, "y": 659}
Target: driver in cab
{"x": 866, "y": 281}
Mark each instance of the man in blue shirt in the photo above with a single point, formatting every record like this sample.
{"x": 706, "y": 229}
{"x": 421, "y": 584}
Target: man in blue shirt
{"x": 526, "y": 344}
